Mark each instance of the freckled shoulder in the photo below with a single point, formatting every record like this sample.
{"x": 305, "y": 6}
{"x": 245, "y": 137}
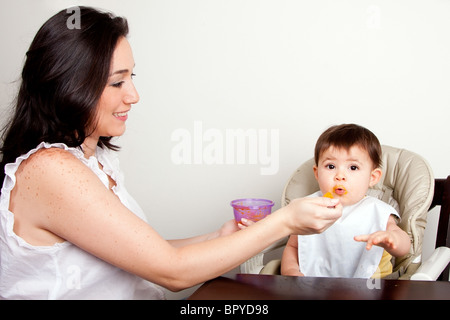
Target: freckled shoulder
{"x": 44, "y": 157}
{"x": 44, "y": 190}
{"x": 47, "y": 161}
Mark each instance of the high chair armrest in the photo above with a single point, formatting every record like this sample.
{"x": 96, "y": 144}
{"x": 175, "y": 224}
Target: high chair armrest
{"x": 433, "y": 267}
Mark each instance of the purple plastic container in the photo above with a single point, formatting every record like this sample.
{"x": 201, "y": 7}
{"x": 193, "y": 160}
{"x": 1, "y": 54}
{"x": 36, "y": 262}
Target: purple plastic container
{"x": 252, "y": 209}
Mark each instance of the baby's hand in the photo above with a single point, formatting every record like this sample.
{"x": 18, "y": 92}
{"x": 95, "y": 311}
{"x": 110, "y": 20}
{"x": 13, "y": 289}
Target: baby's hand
{"x": 382, "y": 239}
{"x": 244, "y": 223}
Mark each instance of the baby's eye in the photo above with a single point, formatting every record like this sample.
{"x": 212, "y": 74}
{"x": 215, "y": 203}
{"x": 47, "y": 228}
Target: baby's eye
{"x": 354, "y": 168}
{"x": 330, "y": 166}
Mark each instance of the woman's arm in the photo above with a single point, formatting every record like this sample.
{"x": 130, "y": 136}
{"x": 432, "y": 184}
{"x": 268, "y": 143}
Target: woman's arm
{"x": 67, "y": 200}
{"x": 227, "y": 228}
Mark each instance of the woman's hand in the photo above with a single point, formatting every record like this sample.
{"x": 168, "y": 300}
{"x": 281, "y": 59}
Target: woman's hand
{"x": 228, "y": 227}
{"x": 312, "y": 215}
{"x": 244, "y": 223}
{"x": 232, "y": 226}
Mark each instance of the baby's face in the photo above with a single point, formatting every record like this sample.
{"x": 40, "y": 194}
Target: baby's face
{"x": 346, "y": 174}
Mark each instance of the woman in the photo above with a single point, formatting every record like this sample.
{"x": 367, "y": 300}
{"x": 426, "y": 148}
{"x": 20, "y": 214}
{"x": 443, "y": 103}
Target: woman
{"x": 68, "y": 227}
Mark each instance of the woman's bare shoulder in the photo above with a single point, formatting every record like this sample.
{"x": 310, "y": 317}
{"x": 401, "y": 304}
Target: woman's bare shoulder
{"x": 45, "y": 184}
{"x": 51, "y": 154}
{"x": 48, "y": 160}
{"x": 54, "y": 170}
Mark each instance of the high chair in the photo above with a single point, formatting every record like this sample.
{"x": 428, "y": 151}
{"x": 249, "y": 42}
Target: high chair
{"x": 408, "y": 185}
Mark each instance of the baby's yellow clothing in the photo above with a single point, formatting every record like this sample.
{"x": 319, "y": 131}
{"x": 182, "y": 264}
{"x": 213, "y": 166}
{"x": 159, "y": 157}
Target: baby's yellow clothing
{"x": 385, "y": 267}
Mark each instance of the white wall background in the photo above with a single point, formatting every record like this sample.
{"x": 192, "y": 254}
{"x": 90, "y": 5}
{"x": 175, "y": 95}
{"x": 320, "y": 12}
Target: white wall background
{"x": 290, "y": 66}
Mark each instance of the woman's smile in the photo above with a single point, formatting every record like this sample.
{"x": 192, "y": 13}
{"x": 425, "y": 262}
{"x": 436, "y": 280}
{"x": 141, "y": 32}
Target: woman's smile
{"x": 123, "y": 116}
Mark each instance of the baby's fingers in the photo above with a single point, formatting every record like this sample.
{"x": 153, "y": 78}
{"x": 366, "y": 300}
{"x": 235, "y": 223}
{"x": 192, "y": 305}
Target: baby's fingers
{"x": 380, "y": 238}
{"x": 364, "y": 238}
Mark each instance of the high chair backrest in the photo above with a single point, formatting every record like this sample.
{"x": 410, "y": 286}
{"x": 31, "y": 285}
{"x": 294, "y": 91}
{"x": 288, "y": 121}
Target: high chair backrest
{"x": 407, "y": 184}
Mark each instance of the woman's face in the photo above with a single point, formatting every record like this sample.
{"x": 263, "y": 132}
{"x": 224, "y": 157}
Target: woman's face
{"x": 118, "y": 95}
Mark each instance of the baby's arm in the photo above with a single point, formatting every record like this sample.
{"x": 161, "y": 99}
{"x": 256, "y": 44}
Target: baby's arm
{"x": 394, "y": 240}
{"x": 289, "y": 260}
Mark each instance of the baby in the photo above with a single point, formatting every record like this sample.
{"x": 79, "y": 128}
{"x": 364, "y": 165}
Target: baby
{"x": 347, "y": 163}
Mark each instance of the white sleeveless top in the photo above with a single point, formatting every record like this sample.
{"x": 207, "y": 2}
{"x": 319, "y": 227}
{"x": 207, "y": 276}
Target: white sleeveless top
{"x": 64, "y": 271}
{"x": 334, "y": 253}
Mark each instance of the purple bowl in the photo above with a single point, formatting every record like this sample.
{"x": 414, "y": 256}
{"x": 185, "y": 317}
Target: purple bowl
{"x": 251, "y": 209}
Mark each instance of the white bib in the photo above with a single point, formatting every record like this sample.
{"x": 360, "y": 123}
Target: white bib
{"x": 334, "y": 253}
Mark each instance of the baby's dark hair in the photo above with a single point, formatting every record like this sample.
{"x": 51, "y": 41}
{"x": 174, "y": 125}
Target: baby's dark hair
{"x": 346, "y": 136}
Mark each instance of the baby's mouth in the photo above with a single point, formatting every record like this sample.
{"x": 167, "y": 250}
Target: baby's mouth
{"x": 339, "y": 190}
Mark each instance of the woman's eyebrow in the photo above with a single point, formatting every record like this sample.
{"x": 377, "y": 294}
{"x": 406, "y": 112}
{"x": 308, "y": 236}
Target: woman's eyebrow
{"x": 120, "y": 72}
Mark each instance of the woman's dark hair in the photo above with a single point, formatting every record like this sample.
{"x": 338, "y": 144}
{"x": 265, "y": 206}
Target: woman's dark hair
{"x": 346, "y": 136}
{"x": 64, "y": 75}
